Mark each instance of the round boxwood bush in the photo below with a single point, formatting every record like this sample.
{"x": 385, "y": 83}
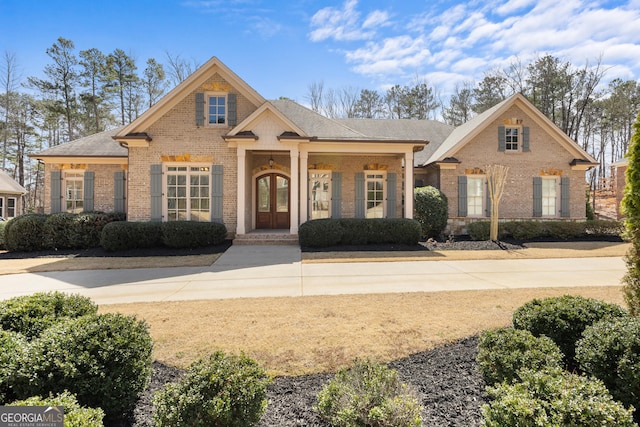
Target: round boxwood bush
{"x": 563, "y": 319}
{"x": 503, "y": 352}
{"x": 104, "y": 359}
{"x": 25, "y": 233}
{"x": 13, "y": 347}
{"x": 32, "y": 314}
{"x": 610, "y": 351}
{"x": 368, "y": 394}
{"x": 222, "y": 390}
{"x": 554, "y": 397}
{"x": 58, "y": 230}
{"x": 74, "y": 414}
{"x": 431, "y": 210}
{"x": 320, "y": 233}
{"x": 191, "y": 234}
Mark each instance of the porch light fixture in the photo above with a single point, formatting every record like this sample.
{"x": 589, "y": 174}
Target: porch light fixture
{"x": 271, "y": 161}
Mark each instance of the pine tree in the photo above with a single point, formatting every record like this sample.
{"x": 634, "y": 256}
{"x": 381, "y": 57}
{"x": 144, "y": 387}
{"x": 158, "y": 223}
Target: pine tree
{"x": 631, "y": 210}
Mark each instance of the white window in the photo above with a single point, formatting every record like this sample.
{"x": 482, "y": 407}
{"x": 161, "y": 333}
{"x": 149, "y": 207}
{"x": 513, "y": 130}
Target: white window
{"x": 549, "y": 196}
{"x": 74, "y": 191}
{"x": 475, "y": 196}
{"x": 216, "y": 109}
{"x": 188, "y": 193}
{"x": 12, "y": 204}
{"x": 320, "y": 194}
{"x": 375, "y": 194}
{"x": 512, "y": 138}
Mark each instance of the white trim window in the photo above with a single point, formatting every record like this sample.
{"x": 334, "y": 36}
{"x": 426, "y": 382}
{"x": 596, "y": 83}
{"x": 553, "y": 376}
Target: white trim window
{"x": 188, "y": 193}
{"x": 12, "y": 206}
{"x": 74, "y": 191}
{"x": 217, "y": 112}
{"x": 512, "y": 138}
{"x": 375, "y": 194}
{"x": 475, "y": 195}
{"x": 550, "y": 196}
{"x": 319, "y": 194}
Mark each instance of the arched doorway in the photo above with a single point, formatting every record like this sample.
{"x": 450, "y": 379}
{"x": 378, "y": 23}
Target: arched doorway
{"x": 272, "y": 201}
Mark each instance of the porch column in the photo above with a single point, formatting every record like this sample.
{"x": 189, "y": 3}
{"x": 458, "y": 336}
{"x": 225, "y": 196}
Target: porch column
{"x": 304, "y": 186}
{"x": 241, "y": 177}
{"x": 295, "y": 185}
{"x": 408, "y": 184}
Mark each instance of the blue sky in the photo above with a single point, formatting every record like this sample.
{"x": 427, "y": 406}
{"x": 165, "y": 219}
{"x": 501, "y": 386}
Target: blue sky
{"x": 281, "y": 47}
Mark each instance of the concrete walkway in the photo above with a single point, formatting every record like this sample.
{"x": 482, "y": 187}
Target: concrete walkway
{"x": 277, "y": 271}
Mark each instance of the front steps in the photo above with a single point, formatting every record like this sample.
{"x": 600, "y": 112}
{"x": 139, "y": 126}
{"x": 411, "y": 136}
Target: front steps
{"x": 266, "y": 238}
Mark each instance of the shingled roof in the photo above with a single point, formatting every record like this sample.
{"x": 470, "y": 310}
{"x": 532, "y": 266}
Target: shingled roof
{"x": 9, "y": 186}
{"x": 97, "y": 145}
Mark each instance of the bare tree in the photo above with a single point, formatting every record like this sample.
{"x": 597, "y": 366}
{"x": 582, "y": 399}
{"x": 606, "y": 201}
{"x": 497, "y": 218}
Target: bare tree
{"x": 460, "y": 108}
{"x": 9, "y": 79}
{"x": 178, "y": 69}
{"x": 496, "y": 178}
{"x": 315, "y": 96}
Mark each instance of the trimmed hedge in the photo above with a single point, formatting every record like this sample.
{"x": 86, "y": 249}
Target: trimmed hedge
{"x": 13, "y": 347}
{"x": 3, "y": 224}
{"x": 554, "y": 397}
{"x": 503, "y": 352}
{"x": 191, "y": 234}
{"x": 368, "y": 394}
{"x": 563, "y": 319}
{"x": 610, "y": 351}
{"x": 356, "y": 231}
{"x": 431, "y": 210}
{"x": 74, "y": 414}
{"x": 29, "y": 315}
{"x": 561, "y": 230}
{"x": 25, "y": 233}
{"x": 219, "y": 391}
{"x": 123, "y": 235}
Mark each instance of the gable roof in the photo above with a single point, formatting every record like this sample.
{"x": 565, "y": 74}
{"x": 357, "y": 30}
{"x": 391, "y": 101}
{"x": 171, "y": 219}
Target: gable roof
{"x": 9, "y": 186}
{"x": 190, "y": 84}
{"x": 97, "y": 145}
{"x": 465, "y": 133}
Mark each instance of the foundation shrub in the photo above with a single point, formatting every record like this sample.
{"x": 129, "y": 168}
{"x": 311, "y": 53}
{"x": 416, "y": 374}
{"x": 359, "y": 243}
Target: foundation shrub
{"x": 553, "y": 397}
{"x": 58, "y": 230}
{"x": 563, "y": 230}
{"x": 87, "y": 228}
{"x": 480, "y": 230}
{"x": 610, "y": 351}
{"x": 368, "y": 394}
{"x": 104, "y": 359}
{"x": 2, "y": 227}
{"x": 431, "y": 210}
{"x": 13, "y": 347}
{"x": 503, "y": 352}
{"x": 25, "y": 233}
{"x": 74, "y": 414}
{"x": 222, "y": 390}
{"x": 356, "y": 231}
{"x": 30, "y": 315}
{"x": 123, "y": 235}
{"x": 320, "y": 233}
{"x": 564, "y": 319}
{"x": 603, "y": 228}
{"x": 191, "y": 234}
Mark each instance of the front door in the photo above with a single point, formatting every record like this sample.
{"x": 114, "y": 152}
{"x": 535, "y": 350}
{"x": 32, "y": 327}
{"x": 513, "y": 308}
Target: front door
{"x": 272, "y": 204}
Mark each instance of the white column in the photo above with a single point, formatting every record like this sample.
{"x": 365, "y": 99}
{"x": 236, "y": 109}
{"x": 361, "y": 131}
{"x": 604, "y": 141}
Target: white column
{"x": 241, "y": 178}
{"x": 304, "y": 186}
{"x": 408, "y": 184}
{"x": 295, "y": 199}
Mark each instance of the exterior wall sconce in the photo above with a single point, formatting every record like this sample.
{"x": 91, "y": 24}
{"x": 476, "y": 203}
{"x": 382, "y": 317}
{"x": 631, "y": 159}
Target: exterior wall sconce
{"x": 271, "y": 161}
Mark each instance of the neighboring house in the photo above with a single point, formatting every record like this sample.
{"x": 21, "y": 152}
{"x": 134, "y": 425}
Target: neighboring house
{"x": 213, "y": 149}
{"x": 618, "y": 172}
{"x": 10, "y": 196}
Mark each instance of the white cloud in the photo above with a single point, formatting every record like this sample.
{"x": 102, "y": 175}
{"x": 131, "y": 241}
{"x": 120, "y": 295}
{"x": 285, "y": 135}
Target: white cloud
{"x": 513, "y": 6}
{"x": 392, "y": 55}
{"x": 343, "y": 24}
{"x": 377, "y": 18}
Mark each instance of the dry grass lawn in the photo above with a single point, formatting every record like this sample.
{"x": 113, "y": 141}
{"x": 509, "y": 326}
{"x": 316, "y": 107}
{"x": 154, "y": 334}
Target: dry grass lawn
{"x": 294, "y": 336}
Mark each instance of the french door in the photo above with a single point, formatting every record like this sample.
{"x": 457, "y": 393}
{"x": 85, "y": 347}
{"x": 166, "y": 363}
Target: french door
{"x": 272, "y": 201}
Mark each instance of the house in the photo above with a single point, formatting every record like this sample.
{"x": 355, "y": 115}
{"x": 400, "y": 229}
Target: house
{"x": 10, "y": 196}
{"x": 618, "y": 173}
{"x": 213, "y": 149}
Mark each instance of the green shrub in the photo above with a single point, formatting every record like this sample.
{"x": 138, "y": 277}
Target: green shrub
{"x": 320, "y": 233}
{"x": 219, "y": 391}
{"x": 13, "y": 347}
{"x": 2, "y": 228}
{"x": 87, "y": 228}
{"x": 123, "y": 235}
{"x": 480, "y": 230}
{"x": 431, "y": 210}
{"x": 58, "y": 230}
{"x": 503, "y": 352}
{"x": 563, "y": 319}
{"x": 74, "y": 414}
{"x": 554, "y": 397}
{"x": 31, "y": 314}
{"x": 368, "y": 394}
{"x": 563, "y": 230}
{"x": 610, "y": 351}
{"x": 601, "y": 228}
{"x": 105, "y": 360}
{"x": 191, "y": 234}
{"x": 25, "y": 233}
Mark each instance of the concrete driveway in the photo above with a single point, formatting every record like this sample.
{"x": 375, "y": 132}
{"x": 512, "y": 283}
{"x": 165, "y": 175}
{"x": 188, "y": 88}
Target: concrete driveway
{"x": 277, "y": 271}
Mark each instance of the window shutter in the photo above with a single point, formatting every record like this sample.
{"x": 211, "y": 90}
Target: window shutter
{"x": 199, "y": 109}
{"x": 565, "y": 195}
{"x": 232, "y": 108}
{"x": 336, "y": 194}
{"x": 502, "y": 142}
{"x": 360, "y": 201}
{"x": 56, "y": 191}
{"x": 156, "y": 192}
{"x": 216, "y": 193}
{"x": 118, "y": 191}
{"x": 537, "y": 196}
{"x": 487, "y": 198}
{"x": 391, "y": 195}
{"x": 525, "y": 139}
{"x": 462, "y": 195}
{"x": 88, "y": 191}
